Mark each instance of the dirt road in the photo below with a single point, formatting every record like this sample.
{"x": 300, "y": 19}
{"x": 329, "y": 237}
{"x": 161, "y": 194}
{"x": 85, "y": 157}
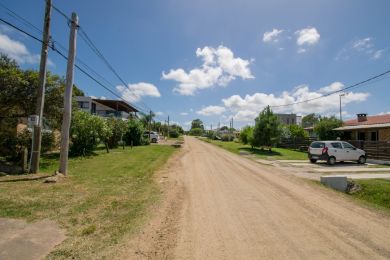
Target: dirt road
{"x": 237, "y": 209}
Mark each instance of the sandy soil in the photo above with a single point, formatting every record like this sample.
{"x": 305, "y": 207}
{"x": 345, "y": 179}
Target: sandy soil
{"x": 221, "y": 206}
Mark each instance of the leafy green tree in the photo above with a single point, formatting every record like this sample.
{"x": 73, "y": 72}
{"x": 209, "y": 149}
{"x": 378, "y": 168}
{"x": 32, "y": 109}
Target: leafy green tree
{"x": 196, "y": 131}
{"x": 86, "y": 132}
{"x": 310, "y": 120}
{"x": 324, "y": 128}
{"x": 245, "y": 134}
{"x": 297, "y": 131}
{"x": 119, "y": 128}
{"x": 197, "y": 123}
{"x": 267, "y": 129}
{"x": 134, "y": 133}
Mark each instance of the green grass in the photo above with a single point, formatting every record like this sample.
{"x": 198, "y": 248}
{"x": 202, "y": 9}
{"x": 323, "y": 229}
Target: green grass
{"x": 276, "y": 153}
{"x": 104, "y": 198}
{"x": 375, "y": 191}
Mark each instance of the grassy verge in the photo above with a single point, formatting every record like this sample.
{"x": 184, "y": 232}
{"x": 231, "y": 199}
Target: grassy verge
{"x": 376, "y": 192}
{"x": 104, "y": 198}
{"x": 276, "y": 153}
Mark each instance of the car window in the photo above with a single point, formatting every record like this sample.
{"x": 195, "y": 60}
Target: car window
{"x": 348, "y": 145}
{"x": 337, "y": 145}
{"x": 317, "y": 145}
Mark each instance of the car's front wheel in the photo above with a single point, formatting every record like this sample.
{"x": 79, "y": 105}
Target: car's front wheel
{"x": 313, "y": 160}
{"x": 331, "y": 160}
{"x": 362, "y": 159}
{"x": 154, "y": 140}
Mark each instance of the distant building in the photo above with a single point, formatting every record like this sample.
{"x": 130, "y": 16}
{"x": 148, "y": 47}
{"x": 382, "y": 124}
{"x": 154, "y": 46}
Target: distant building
{"x": 367, "y": 128}
{"x": 106, "y": 107}
{"x": 289, "y": 119}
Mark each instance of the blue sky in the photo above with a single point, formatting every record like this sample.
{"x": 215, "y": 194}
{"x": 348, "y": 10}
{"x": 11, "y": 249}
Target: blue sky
{"x": 220, "y": 59}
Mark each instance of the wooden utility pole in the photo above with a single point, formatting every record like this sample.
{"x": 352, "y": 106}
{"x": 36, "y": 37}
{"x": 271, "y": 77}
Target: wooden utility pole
{"x": 37, "y": 136}
{"x": 168, "y": 126}
{"x": 150, "y": 122}
{"x": 68, "y": 96}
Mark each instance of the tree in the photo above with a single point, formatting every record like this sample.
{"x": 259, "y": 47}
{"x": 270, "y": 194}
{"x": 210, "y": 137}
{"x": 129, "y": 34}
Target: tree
{"x": 267, "y": 129}
{"x": 324, "y": 128}
{"x": 310, "y": 120}
{"x": 119, "y": 128}
{"x": 196, "y": 131}
{"x": 224, "y": 128}
{"x": 134, "y": 133}
{"x": 197, "y": 123}
{"x": 245, "y": 134}
{"x": 297, "y": 131}
{"x": 86, "y": 132}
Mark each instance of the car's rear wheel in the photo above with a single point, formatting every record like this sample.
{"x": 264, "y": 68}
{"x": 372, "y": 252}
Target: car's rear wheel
{"x": 331, "y": 160}
{"x": 313, "y": 160}
{"x": 362, "y": 159}
{"x": 154, "y": 140}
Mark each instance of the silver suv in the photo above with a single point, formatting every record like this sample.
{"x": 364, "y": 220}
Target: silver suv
{"x": 332, "y": 151}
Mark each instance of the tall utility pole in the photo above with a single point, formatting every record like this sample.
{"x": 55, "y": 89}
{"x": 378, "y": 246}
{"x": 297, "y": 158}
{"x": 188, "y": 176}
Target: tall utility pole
{"x": 150, "y": 122}
{"x": 168, "y": 126}
{"x": 37, "y": 136}
{"x": 341, "y": 95}
{"x": 68, "y": 96}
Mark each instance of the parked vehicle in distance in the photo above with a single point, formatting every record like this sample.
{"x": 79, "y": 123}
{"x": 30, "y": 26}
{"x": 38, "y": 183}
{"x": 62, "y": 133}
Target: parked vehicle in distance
{"x": 154, "y": 137}
{"x": 335, "y": 151}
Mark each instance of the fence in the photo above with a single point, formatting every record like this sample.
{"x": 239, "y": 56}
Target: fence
{"x": 378, "y": 150}
{"x": 296, "y": 143}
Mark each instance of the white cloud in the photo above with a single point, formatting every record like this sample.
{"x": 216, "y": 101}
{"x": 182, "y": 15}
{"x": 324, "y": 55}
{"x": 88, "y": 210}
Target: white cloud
{"x": 211, "y": 110}
{"x": 307, "y": 36}
{"x": 272, "y": 36}
{"x": 365, "y": 46}
{"x": 183, "y": 113}
{"x": 17, "y": 50}
{"x": 135, "y": 92}
{"x": 248, "y": 107}
{"x": 219, "y": 68}
{"x": 159, "y": 113}
{"x": 335, "y": 86}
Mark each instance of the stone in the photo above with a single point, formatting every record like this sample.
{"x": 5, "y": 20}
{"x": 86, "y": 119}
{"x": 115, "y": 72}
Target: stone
{"x": 339, "y": 183}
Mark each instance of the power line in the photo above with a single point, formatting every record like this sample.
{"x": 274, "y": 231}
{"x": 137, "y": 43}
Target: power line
{"x": 15, "y": 15}
{"x": 62, "y": 55}
{"x": 337, "y": 91}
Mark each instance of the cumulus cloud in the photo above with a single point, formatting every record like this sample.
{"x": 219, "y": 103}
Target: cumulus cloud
{"x": 307, "y": 36}
{"x": 272, "y": 36}
{"x": 184, "y": 114}
{"x": 135, "y": 92}
{"x": 17, "y": 50}
{"x": 211, "y": 110}
{"x": 219, "y": 68}
{"x": 159, "y": 113}
{"x": 248, "y": 107}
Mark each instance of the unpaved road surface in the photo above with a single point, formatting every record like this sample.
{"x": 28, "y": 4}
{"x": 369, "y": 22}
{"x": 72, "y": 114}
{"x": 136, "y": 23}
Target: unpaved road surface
{"x": 234, "y": 208}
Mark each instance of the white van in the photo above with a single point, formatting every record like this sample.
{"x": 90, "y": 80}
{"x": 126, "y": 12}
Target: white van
{"x": 154, "y": 137}
{"x": 335, "y": 151}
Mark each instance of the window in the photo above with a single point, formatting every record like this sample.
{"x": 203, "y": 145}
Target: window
{"x": 362, "y": 136}
{"x": 374, "y": 136}
{"x": 83, "y": 104}
{"x": 337, "y": 145}
{"x": 317, "y": 145}
{"x": 348, "y": 145}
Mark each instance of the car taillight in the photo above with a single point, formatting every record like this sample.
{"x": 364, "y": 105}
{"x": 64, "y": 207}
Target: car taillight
{"x": 324, "y": 150}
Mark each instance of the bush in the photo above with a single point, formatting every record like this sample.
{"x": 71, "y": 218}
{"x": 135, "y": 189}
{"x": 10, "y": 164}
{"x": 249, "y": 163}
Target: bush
{"x": 86, "y": 132}
{"x": 173, "y": 134}
{"x": 196, "y": 131}
{"x": 245, "y": 133}
{"x": 119, "y": 128}
{"x": 134, "y": 133}
{"x": 211, "y": 135}
{"x": 227, "y": 137}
